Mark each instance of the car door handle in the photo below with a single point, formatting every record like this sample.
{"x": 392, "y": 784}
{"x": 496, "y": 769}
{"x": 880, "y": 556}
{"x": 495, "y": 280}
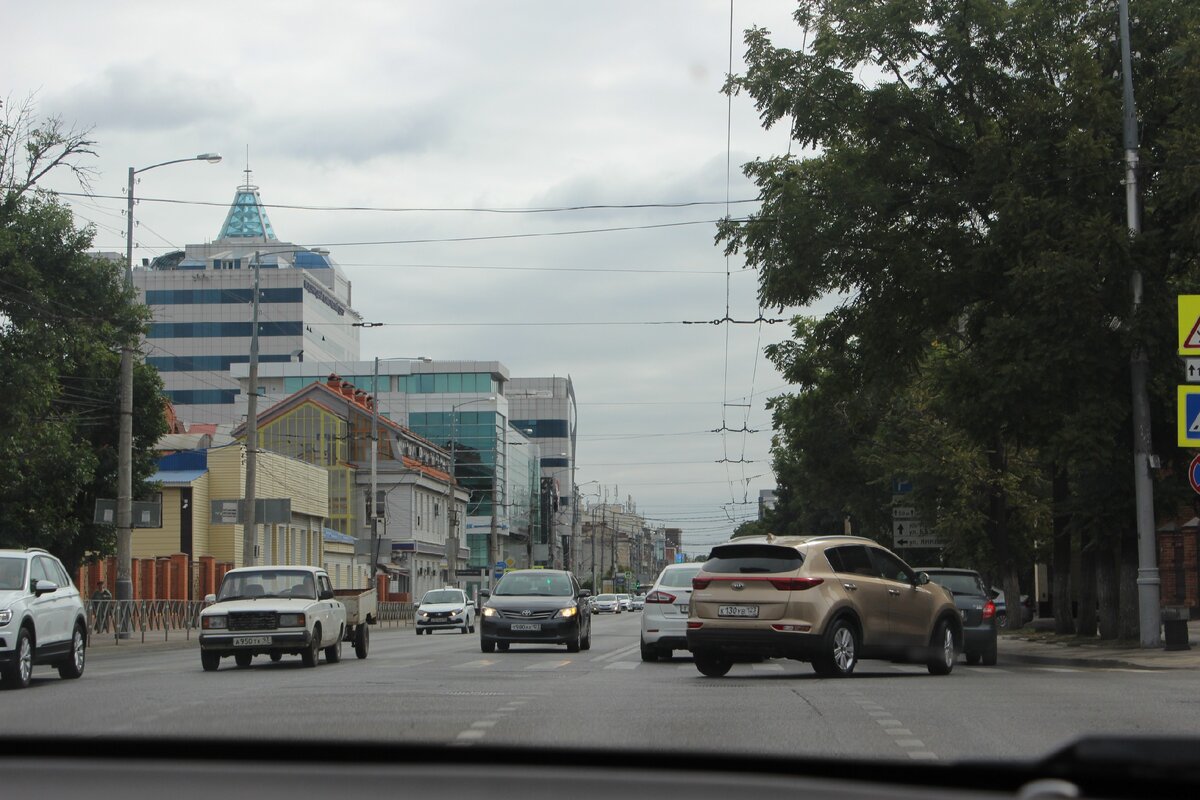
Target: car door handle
{"x": 851, "y": 587}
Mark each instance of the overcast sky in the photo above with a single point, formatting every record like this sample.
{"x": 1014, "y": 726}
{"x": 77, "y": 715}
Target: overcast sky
{"x": 457, "y": 105}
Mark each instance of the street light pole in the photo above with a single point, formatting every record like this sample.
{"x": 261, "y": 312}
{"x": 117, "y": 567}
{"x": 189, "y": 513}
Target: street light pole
{"x": 125, "y": 407}
{"x": 1149, "y": 615}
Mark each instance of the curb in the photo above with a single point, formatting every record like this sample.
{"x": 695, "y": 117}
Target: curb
{"x": 1095, "y": 663}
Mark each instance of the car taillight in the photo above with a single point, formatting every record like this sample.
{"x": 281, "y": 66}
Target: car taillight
{"x": 660, "y": 597}
{"x": 796, "y": 584}
{"x": 694, "y": 625}
{"x": 989, "y": 610}
{"x": 701, "y": 583}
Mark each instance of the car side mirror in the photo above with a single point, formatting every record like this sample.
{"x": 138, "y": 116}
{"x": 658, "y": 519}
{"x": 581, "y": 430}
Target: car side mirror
{"x": 209, "y": 599}
{"x": 327, "y": 594}
{"x": 921, "y": 579}
{"x": 44, "y": 587}
{"x": 485, "y": 593}
{"x": 585, "y": 592}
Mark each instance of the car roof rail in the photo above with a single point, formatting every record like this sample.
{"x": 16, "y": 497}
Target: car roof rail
{"x": 37, "y": 550}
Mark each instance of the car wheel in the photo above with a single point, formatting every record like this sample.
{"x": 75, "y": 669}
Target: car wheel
{"x": 18, "y": 673}
{"x": 313, "y": 652}
{"x": 333, "y": 653}
{"x": 586, "y": 644}
{"x": 942, "y": 651}
{"x": 989, "y": 655}
{"x": 574, "y": 645}
{"x": 362, "y": 640}
{"x": 649, "y": 654}
{"x": 242, "y": 659}
{"x": 839, "y": 652}
{"x": 712, "y": 665}
{"x": 72, "y": 666}
{"x": 487, "y": 645}
{"x": 972, "y": 657}
{"x": 277, "y": 657}
{"x": 210, "y": 660}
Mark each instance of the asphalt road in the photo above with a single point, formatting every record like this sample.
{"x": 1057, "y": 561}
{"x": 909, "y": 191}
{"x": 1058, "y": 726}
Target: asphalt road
{"x": 442, "y": 689}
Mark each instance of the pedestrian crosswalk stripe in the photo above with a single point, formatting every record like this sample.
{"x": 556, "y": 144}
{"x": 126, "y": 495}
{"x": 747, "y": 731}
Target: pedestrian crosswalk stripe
{"x": 622, "y": 665}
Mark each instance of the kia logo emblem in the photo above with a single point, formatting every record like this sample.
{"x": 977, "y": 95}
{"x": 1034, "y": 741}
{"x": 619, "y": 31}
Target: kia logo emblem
{"x": 738, "y": 586}
{"x": 526, "y": 613}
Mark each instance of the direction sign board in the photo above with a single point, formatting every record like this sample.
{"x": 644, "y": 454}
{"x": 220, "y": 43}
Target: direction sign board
{"x": 1191, "y": 370}
{"x": 908, "y": 534}
{"x": 1194, "y": 474}
{"x": 1187, "y": 414}
{"x": 904, "y": 512}
{"x": 1189, "y": 324}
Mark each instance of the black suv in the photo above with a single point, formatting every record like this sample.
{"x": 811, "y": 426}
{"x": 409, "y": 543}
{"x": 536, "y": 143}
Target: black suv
{"x": 977, "y": 610}
{"x": 536, "y": 606}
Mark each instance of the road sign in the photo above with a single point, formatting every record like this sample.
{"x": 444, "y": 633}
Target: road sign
{"x": 1191, "y": 370}
{"x": 1194, "y": 474}
{"x": 903, "y": 512}
{"x": 907, "y": 534}
{"x": 1189, "y": 324}
{"x": 1187, "y": 405}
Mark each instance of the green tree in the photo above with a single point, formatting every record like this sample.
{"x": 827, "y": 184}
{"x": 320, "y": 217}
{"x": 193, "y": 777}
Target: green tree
{"x": 962, "y": 197}
{"x": 63, "y": 317}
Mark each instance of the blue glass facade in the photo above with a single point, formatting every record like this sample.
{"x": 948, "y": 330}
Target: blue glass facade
{"x": 185, "y": 297}
{"x": 472, "y": 435}
{"x": 190, "y": 330}
{"x": 200, "y": 397}
{"x": 212, "y": 363}
{"x": 448, "y": 383}
{"x": 543, "y": 428}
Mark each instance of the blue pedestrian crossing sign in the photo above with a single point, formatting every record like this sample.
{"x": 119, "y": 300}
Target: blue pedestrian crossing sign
{"x": 1188, "y": 414}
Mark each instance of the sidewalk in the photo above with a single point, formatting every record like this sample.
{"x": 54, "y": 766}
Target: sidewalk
{"x": 1032, "y": 646}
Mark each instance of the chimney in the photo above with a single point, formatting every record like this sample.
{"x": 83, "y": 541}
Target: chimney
{"x": 333, "y": 381}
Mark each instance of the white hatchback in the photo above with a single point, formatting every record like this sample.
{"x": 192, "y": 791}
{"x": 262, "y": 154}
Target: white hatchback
{"x": 665, "y": 616}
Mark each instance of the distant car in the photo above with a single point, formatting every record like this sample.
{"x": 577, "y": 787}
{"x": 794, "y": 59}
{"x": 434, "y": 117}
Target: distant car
{"x": 637, "y": 602}
{"x": 536, "y": 606}
{"x": 664, "y": 619}
{"x": 626, "y": 602}
{"x": 42, "y": 620}
{"x": 606, "y": 604}
{"x": 977, "y": 610}
{"x": 1002, "y": 608}
{"x": 445, "y": 608}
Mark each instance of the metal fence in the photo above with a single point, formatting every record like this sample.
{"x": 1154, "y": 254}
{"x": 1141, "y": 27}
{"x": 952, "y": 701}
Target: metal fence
{"x": 143, "y": 619}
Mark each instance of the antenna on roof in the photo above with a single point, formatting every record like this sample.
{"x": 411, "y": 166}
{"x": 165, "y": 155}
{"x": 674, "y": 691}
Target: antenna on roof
{"x": 247, "y": 170}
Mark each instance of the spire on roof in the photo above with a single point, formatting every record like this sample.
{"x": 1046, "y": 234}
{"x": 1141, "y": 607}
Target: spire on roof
{"x": 247, "y": 219}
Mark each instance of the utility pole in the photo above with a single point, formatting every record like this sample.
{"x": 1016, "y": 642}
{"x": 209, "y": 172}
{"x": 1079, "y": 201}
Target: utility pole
{"x": 249, "y": 521}
{"x": 1149, "y": 614}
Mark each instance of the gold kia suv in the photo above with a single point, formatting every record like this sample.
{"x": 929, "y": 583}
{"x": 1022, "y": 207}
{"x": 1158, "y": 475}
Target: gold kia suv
{"x": 829, "y": 600}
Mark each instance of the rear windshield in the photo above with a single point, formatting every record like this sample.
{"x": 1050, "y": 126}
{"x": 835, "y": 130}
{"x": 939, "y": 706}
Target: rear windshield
{"x": 958, "y": 583}
{"x": 606, "y": 598}
{"x": 753, "y": 558}
{"x": 679, "y": 578}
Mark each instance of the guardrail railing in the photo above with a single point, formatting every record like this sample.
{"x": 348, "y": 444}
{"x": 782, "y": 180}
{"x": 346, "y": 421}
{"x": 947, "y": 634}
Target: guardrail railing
{"x": 139, "y": 619}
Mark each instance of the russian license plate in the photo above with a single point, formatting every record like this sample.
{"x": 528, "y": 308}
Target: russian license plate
{"x": 527, "y": 626}
{"x": 737, "y": 611}
{"x": 251, "y": 641}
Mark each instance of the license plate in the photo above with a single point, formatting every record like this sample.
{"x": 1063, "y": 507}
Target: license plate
{"x": 250, "y": 641}
{"x": 527, "y": 626}
{"x": 737, "y": 611}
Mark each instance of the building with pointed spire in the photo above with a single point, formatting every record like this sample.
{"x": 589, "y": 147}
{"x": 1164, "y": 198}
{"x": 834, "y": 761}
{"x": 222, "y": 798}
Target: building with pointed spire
{"x": 201, "y": 300}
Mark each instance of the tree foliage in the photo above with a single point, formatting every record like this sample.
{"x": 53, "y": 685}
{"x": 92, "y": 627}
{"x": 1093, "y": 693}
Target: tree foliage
{"x": 961, "y": 196}
{"x": 64, "y": 316}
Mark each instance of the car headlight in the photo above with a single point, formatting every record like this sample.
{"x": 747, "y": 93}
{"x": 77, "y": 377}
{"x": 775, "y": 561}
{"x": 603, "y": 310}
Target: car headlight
{"x": 569, "y": 611}
{"x": 423, "y": 614}
{"x": 214, "y": 622}
{"x": 5, "y": 616}
{"x": 291, "y": 620}
{"x": 457, "y": 611}
{"x": 489, "y": 612}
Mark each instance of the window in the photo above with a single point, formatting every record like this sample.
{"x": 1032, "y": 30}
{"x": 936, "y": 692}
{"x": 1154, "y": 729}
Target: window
{"x": 892, "y": 568}
{"x": 852, "y": 560}
{"x": 753, "y": 558}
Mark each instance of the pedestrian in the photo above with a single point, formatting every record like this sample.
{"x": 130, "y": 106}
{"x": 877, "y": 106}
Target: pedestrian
{"x": 101, "y": 605}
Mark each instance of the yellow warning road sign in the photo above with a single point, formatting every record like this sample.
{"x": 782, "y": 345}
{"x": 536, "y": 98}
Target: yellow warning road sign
{"x": 1189, "y": 324}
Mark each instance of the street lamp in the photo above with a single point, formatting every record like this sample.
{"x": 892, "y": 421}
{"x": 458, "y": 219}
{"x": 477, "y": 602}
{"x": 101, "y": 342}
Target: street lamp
{"x": 125, "y": 424}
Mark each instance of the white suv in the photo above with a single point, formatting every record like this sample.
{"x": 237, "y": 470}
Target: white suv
{"x": 42, "y": 620}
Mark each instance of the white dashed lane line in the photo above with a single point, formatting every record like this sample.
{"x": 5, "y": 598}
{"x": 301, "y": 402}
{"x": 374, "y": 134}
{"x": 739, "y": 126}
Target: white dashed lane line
{"x": 902, "y": 736}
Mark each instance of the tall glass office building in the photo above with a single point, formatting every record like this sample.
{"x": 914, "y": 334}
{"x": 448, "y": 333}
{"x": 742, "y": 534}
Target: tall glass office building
{"x": 201, "y": 297}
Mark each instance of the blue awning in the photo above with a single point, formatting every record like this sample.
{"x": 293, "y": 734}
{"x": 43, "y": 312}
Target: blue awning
{"x": 177, "y": 477}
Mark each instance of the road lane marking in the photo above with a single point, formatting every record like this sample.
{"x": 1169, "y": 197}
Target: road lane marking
{"x": 471, "y": 734}
{"x": 922, "y": 755}
{"x": 897, "y": 731}
{"x": 474, "y": 664}
{"x": 622, "y": 665}
{"x": 548, "y": 665}
{"x": 910, "y": 743}
{"x": 618, "y": 653}
{"x": 889, "y": 723}
{"x": 483, "y": 723}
